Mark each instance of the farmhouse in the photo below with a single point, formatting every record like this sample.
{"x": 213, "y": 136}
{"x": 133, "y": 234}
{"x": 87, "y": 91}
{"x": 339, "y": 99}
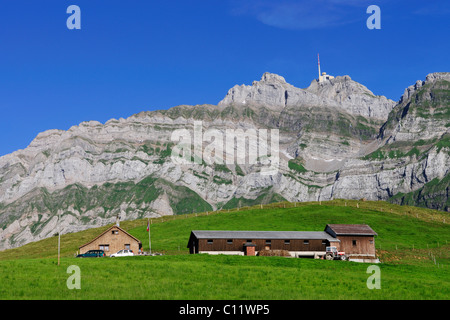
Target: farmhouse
{"x": 357, "y": 241}
{"x": 113, "y": 240}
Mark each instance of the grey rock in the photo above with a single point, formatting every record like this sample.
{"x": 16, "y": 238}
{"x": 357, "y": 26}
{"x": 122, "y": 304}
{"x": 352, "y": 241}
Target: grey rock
{"x": 275, "y": 93}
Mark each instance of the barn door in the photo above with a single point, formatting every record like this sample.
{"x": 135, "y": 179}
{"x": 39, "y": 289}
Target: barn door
{"x": 195, "y": 246}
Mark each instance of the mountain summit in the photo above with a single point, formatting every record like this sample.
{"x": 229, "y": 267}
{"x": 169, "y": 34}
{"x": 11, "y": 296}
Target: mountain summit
{"x": 274, "y": 92}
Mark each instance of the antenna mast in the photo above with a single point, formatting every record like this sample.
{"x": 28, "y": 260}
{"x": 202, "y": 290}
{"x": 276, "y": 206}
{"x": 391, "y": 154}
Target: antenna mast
{"x": 318, "y": 62}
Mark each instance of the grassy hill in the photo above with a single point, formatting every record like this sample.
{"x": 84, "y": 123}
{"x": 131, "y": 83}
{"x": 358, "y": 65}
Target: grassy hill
{"x": 412, "y": 244}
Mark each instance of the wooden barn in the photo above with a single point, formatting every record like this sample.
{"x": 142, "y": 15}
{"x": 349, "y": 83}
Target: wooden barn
{"x": 113, "y": 240}
{"x": 356, "y": 240}
{"x": 298, "y": 243}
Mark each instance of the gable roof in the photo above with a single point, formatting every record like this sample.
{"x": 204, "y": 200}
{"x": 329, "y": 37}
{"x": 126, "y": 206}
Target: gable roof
{"x": 350, "y": 230}
{"x": 107, "y": 230}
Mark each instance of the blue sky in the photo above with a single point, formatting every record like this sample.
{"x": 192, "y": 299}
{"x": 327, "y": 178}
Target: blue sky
{"x": 132, "y": 56}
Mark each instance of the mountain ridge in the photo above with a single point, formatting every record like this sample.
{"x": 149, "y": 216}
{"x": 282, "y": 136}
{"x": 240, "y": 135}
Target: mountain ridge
{"x": 273, "y": 91}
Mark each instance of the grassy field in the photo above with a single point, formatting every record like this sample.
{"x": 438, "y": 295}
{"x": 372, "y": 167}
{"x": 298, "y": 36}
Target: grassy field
{"x": 412, "y": 244}
{"x": 217, "y": 277}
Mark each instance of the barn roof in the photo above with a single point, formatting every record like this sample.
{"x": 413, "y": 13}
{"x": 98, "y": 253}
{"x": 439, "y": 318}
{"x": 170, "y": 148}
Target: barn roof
{"x": 350, "y": 229}
{"x": 288, "y": 235}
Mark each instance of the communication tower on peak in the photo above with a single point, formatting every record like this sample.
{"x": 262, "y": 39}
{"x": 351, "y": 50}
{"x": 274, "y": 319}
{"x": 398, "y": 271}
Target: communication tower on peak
{"x": 323, "y": 76}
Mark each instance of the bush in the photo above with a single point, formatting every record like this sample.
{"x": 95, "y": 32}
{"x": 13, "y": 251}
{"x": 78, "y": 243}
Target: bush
{"x": 293, "y": 165}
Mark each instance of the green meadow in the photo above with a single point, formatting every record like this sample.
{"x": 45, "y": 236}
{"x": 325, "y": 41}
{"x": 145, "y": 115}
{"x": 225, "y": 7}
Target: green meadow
{"x": 412, "y": 244}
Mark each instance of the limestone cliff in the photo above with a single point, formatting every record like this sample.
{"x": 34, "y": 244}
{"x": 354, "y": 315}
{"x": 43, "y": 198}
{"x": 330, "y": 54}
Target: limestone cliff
{"x": 275, "y": 93}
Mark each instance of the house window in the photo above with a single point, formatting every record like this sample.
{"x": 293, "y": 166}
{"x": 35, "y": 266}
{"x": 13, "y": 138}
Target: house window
{"x": 210, "y": 241}
{"x": 127, "y": 247}
{"x": 104, "y": 247}
{"x": 230, "y": 241}
{"x": 371, "y": 241}
{"x": 354, "y": 243}
{"x": 268, "y": 241}
{"x": 287, "y": 241}
{"x": 249, "y": 240}
{"x": 305, "y": 241}
{"x": 115, "y": 232}
{"x": 324, "y": 242}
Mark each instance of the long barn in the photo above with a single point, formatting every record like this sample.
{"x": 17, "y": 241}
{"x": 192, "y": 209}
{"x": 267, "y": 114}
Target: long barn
{"x": 357, "y": 241}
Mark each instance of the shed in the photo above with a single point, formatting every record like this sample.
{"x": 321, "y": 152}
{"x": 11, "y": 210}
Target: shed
{"x": 356, "y": 240}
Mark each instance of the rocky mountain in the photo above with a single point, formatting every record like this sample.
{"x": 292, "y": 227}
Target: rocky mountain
{"x": 336, "y": 140}
{"x": 341, "y": 92}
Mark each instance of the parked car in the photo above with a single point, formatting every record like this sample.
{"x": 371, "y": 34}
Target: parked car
{"x": 123, "y": 253}
{"x": 92, "y": 254}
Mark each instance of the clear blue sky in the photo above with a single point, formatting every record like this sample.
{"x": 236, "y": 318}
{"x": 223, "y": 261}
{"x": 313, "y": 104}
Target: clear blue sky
{"x": 132, "y": 56}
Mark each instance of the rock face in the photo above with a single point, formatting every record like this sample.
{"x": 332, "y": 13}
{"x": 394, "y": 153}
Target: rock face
{"x": 336, "y": 140}
{"x": 341, "y": 92}
{"x": 353, "y": 97}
